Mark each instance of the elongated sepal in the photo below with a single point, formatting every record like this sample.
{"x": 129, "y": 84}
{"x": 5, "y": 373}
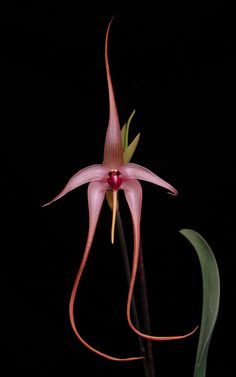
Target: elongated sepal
{"x": 96, "y": 193}
{"x": 113, "y": 151}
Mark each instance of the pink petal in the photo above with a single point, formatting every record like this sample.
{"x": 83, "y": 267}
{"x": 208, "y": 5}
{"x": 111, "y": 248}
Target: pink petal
{"x": 91, "y": 173}
{"x": 134, "y": 171}
{"x": 96, "y": 194}
{"x": 113, "y": 151}
{"x": 133, "y": 194}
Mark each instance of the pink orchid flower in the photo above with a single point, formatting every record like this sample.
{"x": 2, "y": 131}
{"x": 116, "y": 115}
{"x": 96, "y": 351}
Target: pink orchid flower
{"x": 113, "y": 175}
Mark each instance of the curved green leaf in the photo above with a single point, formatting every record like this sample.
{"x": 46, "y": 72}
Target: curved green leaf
{"x": 211, "y": 297}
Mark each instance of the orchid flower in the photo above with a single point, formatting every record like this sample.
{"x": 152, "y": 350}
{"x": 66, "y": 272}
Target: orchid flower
{"x": 112, "y": 175}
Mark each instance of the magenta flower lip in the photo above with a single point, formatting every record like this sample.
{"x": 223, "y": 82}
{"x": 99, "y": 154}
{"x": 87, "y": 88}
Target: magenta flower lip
{"x": 113, "y": 174}
{"x": 114, "y": 180}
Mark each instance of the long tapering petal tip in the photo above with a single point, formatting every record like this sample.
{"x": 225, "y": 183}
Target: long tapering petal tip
{"x": 45, "y": 205}
{"x": 113, "y": 151}
{"x": 173, "y": 192}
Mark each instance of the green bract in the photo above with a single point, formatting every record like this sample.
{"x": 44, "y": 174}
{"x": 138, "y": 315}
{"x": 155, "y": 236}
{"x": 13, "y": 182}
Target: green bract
{"x": 128, "y": 148}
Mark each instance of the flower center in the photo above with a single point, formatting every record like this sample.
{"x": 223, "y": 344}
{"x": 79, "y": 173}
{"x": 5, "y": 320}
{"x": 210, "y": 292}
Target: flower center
{"x": 114, "y": 180}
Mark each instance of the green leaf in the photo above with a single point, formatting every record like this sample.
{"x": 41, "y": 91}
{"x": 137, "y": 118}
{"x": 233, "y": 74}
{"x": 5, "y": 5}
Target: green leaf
{"x": 211, "y": 297}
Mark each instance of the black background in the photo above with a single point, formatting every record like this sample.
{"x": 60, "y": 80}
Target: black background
{"x": 176, "y": 67}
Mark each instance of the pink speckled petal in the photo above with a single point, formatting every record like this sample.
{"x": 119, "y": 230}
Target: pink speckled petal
{"x": 134, "y": 171}
{"x": 96, "y": 172}
{"x": 113, "y": 151}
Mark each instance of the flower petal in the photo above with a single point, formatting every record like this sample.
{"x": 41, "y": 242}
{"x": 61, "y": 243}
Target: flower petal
{"x": 113, "y": 151}
{"x": 133, "y": 194}
{"x": 134, "y": 171}
{"x": 96, "y": 172}
{"x": 96, "y": 194}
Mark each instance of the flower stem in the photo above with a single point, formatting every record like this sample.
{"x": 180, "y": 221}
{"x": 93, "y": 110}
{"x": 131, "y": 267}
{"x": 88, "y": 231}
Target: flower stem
{"x": 145, "y": 309}
{"x": 145, "y": 346}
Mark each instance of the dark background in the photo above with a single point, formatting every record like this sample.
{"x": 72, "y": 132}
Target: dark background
{"x": 176, "y": 67}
